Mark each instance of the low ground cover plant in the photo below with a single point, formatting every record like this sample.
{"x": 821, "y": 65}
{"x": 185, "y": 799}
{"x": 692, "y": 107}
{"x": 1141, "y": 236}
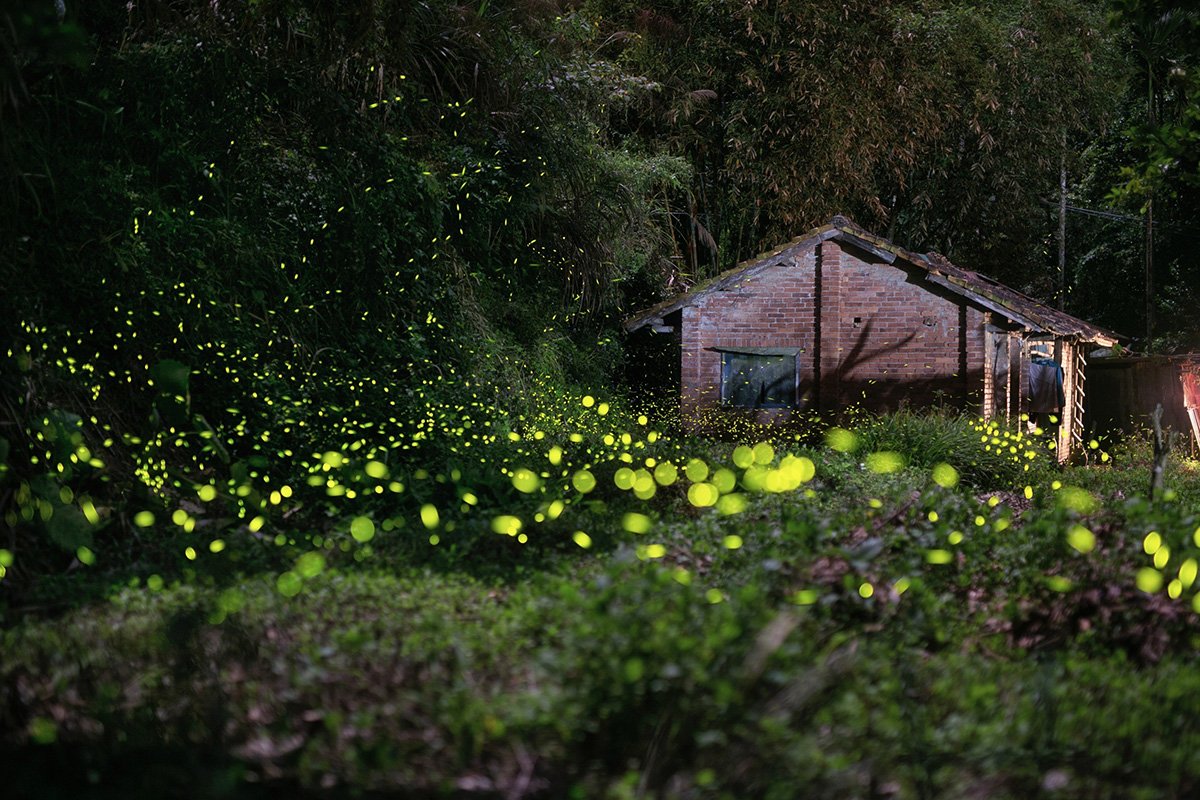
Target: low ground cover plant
{"x": 858, "y": 620}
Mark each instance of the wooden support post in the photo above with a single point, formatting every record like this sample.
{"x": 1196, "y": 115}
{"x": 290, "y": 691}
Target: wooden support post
{"x": 989, "y": 369}
{"x": 1016, "y": 381}
{"x": 1066, "y": 416}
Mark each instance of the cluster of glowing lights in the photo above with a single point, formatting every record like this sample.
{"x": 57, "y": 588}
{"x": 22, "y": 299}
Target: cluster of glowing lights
{"x": 277, "y": 451}
{"x": 557, "y": 457}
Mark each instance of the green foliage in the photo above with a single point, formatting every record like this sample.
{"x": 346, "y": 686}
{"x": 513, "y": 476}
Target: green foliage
{"x": 587, "y": 674}
{"x": 986, "y": 454}
{"x": 278, "y": 231}
{"x": 942, "y": 122}
{"x": 310, "y": 457}
{"x": 1162, "y": 40}
{"x": 840, "y": 589}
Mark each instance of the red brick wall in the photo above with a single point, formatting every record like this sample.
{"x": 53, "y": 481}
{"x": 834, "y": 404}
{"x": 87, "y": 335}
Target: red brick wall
{"x": 776, "y": 308}
{"x": 912, "y": 344}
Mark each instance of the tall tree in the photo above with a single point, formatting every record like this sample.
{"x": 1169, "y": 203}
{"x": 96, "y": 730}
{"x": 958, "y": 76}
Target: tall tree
{"x": 940, "y": 121}
{"x": 1161, "y": 38}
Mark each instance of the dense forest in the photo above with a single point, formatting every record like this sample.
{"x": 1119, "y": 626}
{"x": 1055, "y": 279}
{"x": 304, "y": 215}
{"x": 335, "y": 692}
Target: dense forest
{"x": 320, "y": 465}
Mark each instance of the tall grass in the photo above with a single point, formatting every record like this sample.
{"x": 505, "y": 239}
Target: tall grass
{"x": 984, "y": 453}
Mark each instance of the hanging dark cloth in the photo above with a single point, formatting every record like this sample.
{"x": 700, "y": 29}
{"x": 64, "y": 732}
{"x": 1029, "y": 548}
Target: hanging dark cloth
{"x": 1045, "y": 386}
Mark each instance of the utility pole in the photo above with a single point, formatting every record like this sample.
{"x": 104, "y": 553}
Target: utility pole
{"x": 1062, "y": 228}
{"x": 1149, "y": 269}
{"x": 1153, "y": 118}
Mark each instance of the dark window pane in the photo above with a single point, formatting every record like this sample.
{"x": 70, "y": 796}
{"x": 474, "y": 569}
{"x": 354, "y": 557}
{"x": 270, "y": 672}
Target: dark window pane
{"x": 752, "y": 381}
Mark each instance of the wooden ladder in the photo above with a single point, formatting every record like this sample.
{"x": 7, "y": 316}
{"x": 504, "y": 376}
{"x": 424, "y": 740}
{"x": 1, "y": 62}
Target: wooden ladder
{"x": 1078, "y": 394}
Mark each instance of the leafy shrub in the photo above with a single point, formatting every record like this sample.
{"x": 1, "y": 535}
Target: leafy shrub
{"x": 986, "y": 454}
{"x": 422, "y": 683}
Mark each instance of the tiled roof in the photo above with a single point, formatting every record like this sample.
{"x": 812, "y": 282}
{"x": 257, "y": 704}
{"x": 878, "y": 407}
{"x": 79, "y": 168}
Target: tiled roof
{"x": 1023, "y": 310}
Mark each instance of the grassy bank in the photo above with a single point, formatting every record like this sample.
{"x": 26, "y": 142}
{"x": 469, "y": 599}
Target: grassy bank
{"x": 878, "y": 630}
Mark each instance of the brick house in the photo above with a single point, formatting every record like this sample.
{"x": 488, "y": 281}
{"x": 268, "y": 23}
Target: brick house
{"x": 841, "y": 317}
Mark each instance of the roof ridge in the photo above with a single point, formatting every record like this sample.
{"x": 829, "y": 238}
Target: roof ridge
{"x": 974, "y": 286}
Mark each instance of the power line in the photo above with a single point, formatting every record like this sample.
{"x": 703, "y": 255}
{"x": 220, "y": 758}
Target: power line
{"x": 1114, "y": 216}
{"x": 1091, "y": 212}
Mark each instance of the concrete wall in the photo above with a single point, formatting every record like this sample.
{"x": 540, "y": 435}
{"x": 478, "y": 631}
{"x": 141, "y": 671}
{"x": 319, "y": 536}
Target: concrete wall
{"x": 1121, "y": 394}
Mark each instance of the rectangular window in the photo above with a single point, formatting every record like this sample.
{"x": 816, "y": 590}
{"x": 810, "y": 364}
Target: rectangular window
{"x": 758, "y": 379}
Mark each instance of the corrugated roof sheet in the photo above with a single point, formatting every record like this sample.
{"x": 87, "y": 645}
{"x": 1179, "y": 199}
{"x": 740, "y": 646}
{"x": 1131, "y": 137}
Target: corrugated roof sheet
{"x": 986, "y": 292}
